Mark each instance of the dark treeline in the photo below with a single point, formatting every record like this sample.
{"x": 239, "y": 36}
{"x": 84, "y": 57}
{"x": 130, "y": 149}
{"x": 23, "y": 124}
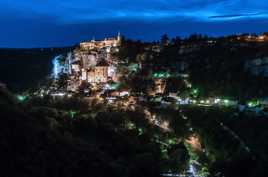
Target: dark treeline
{"x": 235, "y": 143}
{"x": 216, "y": 65}
{"x": 21, "y": 69}
{"x": 42, "y": 137}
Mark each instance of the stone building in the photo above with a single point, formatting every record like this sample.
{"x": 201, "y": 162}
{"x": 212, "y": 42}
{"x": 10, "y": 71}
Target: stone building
{"x": 106, "y": 43}
{"x": 93, "y": 63}
{"x": 98, "y": 74}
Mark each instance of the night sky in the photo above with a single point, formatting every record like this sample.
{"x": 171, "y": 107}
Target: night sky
{"x": 47, "y": 23}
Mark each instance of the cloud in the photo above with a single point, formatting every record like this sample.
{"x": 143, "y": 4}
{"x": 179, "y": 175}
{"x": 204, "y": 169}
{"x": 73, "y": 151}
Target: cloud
{"x": 59, "y": 22}
{"x": 79, "y": 11}
{"x": 239, "y": 16}
{"x": 229, "y": 16}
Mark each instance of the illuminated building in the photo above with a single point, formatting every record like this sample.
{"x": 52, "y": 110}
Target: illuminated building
{"x": 159, "y": 85}
{"x": 254, "y": 38}
{"x": 84, "y": 75}
{"x": 89, "y": 60}
{"x": 93, "y": 63}
{"x": 106, "y": 43}
{"x": 98, "y": 74}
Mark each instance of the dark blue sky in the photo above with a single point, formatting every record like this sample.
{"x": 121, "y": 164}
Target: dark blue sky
{"x": 44, "y": 23}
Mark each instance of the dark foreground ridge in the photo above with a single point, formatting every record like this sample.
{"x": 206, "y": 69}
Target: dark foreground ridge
{"x": 45, "y": 142}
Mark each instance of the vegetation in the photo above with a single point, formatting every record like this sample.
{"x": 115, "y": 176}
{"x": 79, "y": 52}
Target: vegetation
{"x": 22, "y": 69}
{"x": 60, "y": 138}
{"x": 217, "y": 68}
{"x": 46, "y": 136}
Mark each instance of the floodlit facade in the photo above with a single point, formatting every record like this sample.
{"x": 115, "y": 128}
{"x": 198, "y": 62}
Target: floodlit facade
{"x": 98, "y": 74}
{"x": 106, "y": 43}
{"x": 93, "y": 63}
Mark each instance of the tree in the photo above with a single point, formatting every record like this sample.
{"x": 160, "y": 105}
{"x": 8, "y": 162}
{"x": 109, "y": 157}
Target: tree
{"x": 164, "y": 40}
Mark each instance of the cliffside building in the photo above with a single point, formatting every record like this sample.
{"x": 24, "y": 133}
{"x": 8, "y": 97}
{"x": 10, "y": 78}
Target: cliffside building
{"x": 106, "y": 43}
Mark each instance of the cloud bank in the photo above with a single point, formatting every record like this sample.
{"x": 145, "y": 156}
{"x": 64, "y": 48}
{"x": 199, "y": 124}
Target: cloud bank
{"x": 59, "y": 22}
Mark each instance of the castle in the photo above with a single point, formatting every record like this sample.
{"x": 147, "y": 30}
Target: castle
{"x": 106, "y": 43}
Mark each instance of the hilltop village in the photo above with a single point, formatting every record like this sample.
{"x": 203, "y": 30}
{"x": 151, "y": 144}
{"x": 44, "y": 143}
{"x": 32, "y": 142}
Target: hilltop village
{"x": 182, "y": 106}
{"x": 164, "y": 72}
{"x": 92, "y": 63}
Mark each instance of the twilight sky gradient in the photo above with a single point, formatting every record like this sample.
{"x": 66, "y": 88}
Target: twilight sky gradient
{"x": 44, "y": 23}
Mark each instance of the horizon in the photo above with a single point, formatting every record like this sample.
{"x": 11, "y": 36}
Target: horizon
{"x": 33, "y": 24}
{"x": 149, "y": 41}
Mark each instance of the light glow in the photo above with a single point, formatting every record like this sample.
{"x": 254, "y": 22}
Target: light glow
{"x": 56, "y": 67}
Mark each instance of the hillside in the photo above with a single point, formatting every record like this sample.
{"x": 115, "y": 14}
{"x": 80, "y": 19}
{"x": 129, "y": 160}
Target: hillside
{"x": 43, "y": 141}
{"x": 21, "y": 69}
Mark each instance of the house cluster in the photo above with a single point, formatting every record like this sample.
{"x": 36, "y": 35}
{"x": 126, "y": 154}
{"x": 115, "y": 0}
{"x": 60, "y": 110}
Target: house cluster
{"x": 92, "y": 63}
{"x": 254, "y": 38}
